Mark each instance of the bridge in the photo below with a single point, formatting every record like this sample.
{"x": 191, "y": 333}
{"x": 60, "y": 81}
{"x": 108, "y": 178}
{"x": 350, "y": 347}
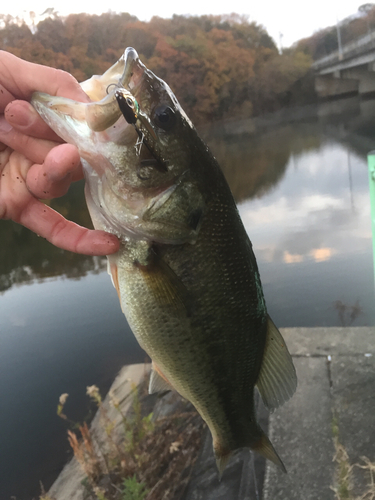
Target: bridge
{"x": 349, "y": 71}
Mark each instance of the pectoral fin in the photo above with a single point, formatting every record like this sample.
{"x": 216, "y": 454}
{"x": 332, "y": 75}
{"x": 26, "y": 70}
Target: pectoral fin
{"x": 277, "y": 379}
{"x": 166, "y": 286}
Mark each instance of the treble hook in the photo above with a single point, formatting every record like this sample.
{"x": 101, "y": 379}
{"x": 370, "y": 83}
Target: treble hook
{"x": 112, "y": 85}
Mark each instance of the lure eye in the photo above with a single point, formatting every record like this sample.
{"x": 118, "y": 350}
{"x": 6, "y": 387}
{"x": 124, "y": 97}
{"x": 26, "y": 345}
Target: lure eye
{"x": 128, "y": 106}
{"x": 165, "y": 117}
{"x": 129, "y": 102}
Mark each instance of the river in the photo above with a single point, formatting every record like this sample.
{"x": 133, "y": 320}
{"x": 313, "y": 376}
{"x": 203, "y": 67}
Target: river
{"x": 301, "y": 184}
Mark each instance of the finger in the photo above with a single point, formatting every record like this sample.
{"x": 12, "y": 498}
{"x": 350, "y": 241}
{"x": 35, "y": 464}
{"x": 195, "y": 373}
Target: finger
{"x": 5, "y": 98}
{"x": 23, "y": 117}
{"x": 61, "y": 160}
{"x": 36, "y": 77}
{"x": 66, "y": 234}
{"x": 52, "y": 179}
{"x": 34, "y": 149}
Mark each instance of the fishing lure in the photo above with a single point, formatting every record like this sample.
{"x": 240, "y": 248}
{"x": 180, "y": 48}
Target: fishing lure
{"x": 130, "y": 109}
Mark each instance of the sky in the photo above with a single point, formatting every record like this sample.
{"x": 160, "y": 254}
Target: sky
{"x": 286, "y": 21}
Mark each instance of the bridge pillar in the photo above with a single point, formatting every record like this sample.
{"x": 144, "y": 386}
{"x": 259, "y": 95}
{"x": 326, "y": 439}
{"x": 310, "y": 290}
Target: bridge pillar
{"x": 365, "y": 75}
{"x": 332, "y": 85}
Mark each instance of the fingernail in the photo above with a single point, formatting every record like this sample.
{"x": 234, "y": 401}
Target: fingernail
{"x": 20, "y": 115}
{"x": 105, "y": 244}
{"x": 5, "y": 127}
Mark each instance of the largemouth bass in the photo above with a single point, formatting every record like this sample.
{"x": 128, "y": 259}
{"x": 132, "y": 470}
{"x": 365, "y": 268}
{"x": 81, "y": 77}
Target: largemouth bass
{"x": 186, "y": 274}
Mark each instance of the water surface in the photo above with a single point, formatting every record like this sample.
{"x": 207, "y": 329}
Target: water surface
{"x": 302, "y": 190}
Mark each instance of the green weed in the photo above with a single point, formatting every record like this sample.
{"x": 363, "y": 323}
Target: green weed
{"x": 133, "y": 490}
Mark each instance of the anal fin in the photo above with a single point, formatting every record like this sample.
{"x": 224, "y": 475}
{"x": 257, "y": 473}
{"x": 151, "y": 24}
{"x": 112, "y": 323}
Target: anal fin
{"x": 158, "y": 382}
{"x": 222, "y": 455}
{"x": 277, "y": 380}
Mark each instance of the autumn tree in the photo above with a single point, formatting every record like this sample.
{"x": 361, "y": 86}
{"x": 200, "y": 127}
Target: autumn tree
{"x": 219, "y": 66}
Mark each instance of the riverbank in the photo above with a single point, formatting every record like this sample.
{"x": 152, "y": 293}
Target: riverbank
{"x": 325, "y": 434}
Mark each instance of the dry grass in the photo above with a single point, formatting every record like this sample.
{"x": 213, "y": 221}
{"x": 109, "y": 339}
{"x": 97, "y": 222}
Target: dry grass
{"x": 343, "y": 476}
{"x": 44, "y": 495}
{"x": 152, "y": 460}
{"x": 369, "y": 467}
{"x": 344, "y": 471}
{"x": 85, "y": 453}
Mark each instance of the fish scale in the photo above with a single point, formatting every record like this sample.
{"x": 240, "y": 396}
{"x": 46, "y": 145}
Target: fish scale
{"x": 186, "y": 274}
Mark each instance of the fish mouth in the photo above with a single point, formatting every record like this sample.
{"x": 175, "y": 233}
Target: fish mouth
{"x": 127, "y": 72}
{"x": 134, "y": 83}
{"x": 134, "y": 71}
{"x": 89, "y": 125}
{"x": 71, "y": 118}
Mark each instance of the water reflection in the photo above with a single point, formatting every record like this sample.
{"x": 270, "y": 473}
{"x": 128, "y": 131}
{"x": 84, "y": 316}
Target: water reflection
{"x": 56, "y": 336}
{"x": 302, "y": 189}
{"x": 303, "y": 195}
{"x": 312, "y": 235}
{"x": 312, "y": 213}
{"x": 253, "y": 165}
{"x": 25, "y": 257}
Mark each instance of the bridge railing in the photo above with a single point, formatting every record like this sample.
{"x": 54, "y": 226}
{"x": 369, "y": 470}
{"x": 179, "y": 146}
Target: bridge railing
{"x": 356, "y": 47}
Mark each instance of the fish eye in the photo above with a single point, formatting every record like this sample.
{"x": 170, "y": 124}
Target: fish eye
{"x": 165, "y": 117}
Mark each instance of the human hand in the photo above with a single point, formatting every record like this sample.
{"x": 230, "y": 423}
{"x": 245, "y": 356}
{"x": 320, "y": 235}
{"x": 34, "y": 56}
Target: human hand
{"x": 34, "y": 164}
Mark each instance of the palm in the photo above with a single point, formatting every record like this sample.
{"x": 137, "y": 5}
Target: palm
{"x": 34, "y": 165}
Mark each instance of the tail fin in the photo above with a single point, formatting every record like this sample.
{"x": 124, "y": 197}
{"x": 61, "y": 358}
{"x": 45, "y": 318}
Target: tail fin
{"x": 265, "y": 448}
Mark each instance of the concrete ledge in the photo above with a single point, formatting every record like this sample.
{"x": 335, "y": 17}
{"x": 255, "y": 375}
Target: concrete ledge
{"x": 330, "y": 341}
{"x": 335, "y": 397}
{"x": 301, "y": 433}
{"x": 336, "y": 372}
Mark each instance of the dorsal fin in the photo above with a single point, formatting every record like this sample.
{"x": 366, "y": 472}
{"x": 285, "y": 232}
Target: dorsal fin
{"x": 277, "y": 379}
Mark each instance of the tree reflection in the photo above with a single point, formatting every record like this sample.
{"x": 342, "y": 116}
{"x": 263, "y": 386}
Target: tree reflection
{"x": 254, "y": 164}
{"x": 25, "y": 257}
{"x": 347, "y": 313}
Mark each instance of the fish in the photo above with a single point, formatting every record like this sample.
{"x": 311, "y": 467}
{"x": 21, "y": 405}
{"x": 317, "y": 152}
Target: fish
{"x": 186, "y": 274}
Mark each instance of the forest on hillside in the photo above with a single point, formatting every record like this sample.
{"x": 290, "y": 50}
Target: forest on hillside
{"x": 218, "y": 66}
